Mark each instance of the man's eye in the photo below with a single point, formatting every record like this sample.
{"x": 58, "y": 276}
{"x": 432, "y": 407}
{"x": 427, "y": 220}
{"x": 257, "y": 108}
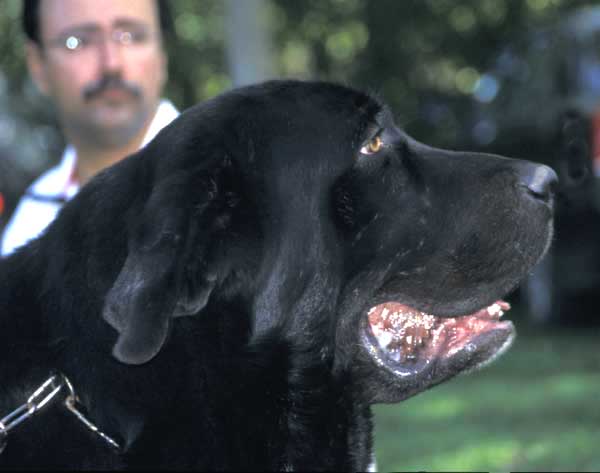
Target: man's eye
{"x": 73, "y": 42}
{"x": 140, "y": 36}
{"x": 129, "y": 37}
{"x": 372, "y": 146}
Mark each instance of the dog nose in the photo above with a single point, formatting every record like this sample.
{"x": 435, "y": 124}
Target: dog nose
{"x": 539, "y": 180}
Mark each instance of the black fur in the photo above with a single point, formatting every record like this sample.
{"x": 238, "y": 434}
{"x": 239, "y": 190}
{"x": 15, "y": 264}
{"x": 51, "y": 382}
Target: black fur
{"x": 228, "y": 267}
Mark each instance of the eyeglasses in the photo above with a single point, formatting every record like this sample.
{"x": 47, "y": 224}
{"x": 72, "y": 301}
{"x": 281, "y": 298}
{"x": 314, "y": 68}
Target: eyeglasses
{"x": 84, "y": 40}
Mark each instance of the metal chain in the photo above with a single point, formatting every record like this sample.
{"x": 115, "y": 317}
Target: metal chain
{"x": 41, "y": 397}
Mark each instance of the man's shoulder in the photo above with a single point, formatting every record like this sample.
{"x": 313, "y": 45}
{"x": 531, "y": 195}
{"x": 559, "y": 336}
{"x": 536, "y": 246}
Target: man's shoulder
{"x": 38, "y": 207}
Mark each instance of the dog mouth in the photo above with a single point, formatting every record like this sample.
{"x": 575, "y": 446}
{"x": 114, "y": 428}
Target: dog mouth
{"x": 408, "y": 340}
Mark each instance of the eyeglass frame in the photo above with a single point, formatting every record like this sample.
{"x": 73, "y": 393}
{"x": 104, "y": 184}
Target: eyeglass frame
{"x": 121, "y": 35}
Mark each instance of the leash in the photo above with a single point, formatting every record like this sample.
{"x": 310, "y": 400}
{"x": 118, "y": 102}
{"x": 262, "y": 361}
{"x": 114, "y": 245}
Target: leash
{"x": 46, "y": 394}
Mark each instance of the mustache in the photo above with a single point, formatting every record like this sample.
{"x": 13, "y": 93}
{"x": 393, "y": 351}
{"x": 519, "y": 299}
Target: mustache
{"x": 97, "y": 87}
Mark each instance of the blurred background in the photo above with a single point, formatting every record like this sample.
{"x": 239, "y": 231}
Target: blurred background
{"x": 516, "y": 77}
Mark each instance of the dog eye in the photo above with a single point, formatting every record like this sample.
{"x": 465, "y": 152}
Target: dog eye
{"x": 372, "y": 146}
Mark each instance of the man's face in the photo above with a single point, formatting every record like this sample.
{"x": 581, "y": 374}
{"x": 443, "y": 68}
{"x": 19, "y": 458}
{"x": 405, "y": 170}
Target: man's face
{"x": 102, "y": 63}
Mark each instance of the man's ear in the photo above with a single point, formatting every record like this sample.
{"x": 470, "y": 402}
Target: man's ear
{"x": 36, "y": 64}
{"x": 166, "y": 272}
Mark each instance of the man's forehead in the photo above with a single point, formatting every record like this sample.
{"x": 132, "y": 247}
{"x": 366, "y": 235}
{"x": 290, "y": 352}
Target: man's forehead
{"x": 59, "y": 15}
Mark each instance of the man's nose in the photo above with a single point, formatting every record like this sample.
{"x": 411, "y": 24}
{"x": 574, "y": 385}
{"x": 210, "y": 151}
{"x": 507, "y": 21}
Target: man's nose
{"x": 110, "y": 55}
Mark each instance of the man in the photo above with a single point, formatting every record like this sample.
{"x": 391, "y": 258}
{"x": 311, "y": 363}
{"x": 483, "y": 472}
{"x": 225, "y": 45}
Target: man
{"x": 103, "y": 65}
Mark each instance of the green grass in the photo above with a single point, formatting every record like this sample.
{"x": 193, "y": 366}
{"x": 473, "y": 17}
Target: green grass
{"x": 535, "y": 409}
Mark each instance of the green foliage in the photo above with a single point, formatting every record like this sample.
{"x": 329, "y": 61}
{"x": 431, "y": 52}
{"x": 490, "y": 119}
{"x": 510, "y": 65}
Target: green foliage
{"x": 408, "y": 51}
{"x": 11, "y": 52}
{"x": 197, "y": 63}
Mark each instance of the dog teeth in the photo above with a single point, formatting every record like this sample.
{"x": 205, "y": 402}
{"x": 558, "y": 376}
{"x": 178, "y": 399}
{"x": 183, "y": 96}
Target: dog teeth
{"x": 495, "y": 310}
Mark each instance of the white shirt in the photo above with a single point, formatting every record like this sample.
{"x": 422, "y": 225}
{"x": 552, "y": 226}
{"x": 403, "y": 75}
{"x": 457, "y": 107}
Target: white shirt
{"x": 45, "y": 197}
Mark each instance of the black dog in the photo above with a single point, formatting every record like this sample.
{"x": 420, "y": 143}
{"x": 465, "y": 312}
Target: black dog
{"x": 276, "y": 216}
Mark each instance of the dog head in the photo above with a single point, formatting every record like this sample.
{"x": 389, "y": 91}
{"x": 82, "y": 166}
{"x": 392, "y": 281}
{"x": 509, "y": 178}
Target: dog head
{"x": 305, "y": 205}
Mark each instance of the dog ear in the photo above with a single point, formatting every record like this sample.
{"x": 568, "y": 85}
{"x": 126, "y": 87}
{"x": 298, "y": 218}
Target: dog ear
{"x": 165, "y": 273}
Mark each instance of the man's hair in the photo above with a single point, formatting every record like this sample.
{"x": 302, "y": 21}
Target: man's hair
{"x": 31, "y": 19}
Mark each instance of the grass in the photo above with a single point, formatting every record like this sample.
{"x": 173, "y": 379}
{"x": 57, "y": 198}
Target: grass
{"x": 535, "y": 409}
